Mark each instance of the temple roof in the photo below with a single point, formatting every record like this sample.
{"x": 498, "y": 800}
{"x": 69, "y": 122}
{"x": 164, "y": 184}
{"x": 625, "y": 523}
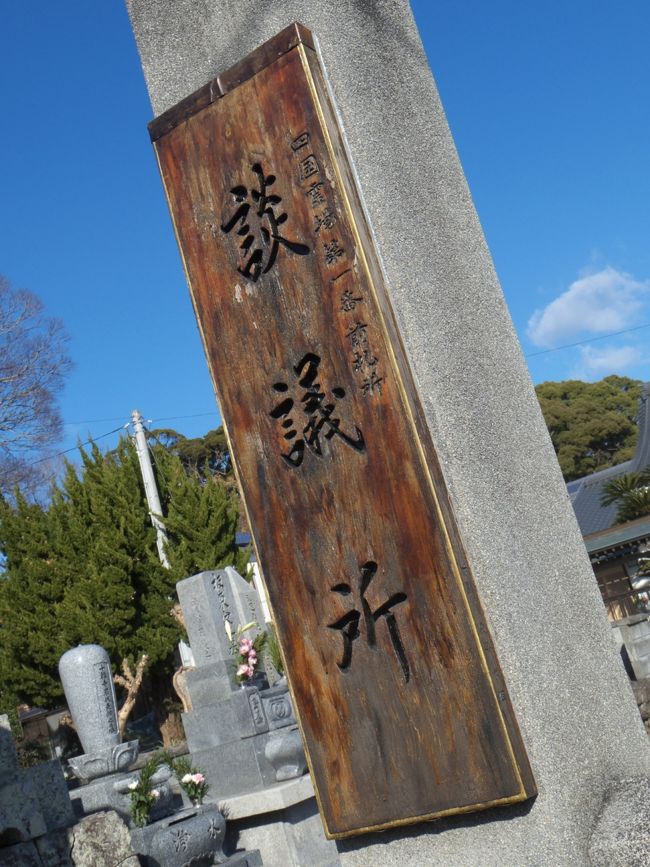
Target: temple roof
{"x": 585, "y": 493}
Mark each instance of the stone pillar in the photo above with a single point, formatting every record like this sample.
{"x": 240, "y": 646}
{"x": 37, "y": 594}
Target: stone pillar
{"x": 568, "y": 688}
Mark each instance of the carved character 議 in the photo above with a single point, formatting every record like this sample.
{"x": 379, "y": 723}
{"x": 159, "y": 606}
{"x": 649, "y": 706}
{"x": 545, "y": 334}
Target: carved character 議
{"x": 319, "y": 414}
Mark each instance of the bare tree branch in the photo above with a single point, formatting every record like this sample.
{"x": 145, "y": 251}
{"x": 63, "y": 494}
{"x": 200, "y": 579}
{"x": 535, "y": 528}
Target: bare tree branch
{"x": 33, "y": 363}
{"x": 131, "y": 682}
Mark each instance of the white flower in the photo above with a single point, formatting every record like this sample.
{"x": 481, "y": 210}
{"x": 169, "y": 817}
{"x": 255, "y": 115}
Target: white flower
{"x": 133, "y": 786}
{"x": 187, "y": 778}
{"x": 155, "y": 793}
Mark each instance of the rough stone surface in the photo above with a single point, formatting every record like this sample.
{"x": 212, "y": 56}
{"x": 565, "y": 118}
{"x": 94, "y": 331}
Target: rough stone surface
{"x": 52, "y": 793}
{"x": 533, "y": 575}
{"x": 102, "y": 840}
{"x": 621, "y": 837}
{"x": 54, "y": 849}
{"x": 20, "y": 855}
{"x": 20, "y": 812}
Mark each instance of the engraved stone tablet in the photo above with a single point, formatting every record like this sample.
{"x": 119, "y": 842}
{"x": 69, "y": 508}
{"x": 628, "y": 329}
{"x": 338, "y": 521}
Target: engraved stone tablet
{"x": 400, "y": 698}
{"x": 87, "y": 680}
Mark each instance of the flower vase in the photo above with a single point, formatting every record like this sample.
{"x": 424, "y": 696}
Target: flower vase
{"x": 192, "y": 837}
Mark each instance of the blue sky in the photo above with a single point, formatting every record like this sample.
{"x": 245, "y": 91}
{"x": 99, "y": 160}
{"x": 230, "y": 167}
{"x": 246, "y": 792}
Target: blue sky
{"x": 548, "y": 105}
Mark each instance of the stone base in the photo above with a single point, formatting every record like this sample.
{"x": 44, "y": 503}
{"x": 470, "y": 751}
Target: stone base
{"x": 283, "y": 822}
{"x": 112, "y": 793}
{"x": 111, "y": 760}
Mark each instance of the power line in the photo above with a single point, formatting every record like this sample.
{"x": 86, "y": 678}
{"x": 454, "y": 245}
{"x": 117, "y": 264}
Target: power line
{"x": 589, "y": 340}
{"x": 78, "y": 446}
{"x": 160, "y": 418}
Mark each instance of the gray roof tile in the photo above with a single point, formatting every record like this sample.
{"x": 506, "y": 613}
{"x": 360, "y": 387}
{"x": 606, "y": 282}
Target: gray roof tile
{"x": 585, "y": 493}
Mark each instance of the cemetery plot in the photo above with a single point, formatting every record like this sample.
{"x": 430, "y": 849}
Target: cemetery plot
{"x": 399, "y": 695}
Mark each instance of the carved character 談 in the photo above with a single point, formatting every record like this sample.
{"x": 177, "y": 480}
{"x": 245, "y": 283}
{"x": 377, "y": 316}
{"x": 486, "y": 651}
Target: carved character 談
{"x": 258, "y": 225}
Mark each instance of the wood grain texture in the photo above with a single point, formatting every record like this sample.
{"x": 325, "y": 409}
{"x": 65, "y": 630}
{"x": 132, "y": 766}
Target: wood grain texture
{"x": 400, "y": 698}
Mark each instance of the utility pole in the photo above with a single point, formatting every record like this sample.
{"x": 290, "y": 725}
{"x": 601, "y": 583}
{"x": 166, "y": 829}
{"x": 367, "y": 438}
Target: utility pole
{"x": 150, "y": 487}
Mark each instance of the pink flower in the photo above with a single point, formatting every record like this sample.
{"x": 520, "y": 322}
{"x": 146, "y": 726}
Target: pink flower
{"x": 198, "y": 778}
{"x": 252, "y": 656}
{"x": 250, "y": 670}
{"x": 242, "y": 671}
{"x": 245, "y": 646}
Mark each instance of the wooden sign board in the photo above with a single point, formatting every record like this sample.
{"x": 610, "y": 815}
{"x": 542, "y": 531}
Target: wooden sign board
{"x": 402, "y": 706}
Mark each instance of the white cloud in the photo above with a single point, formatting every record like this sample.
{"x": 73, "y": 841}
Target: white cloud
{"x": 604, "y": 360}
{"x": 604, "y": 301}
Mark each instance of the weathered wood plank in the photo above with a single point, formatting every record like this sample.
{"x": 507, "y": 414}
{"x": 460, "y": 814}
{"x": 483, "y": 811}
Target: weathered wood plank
{"x": 401, "y": 702}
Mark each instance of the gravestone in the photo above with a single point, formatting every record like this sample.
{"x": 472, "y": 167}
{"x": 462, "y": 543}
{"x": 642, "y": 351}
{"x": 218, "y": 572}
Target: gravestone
{"x": 35, "y": 806}
{"x": 243, "y": 738}
{"x": 87, "y": 681}
{"x": 492, "y": 457}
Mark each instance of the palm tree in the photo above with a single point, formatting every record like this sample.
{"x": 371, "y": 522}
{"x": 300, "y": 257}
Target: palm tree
{"x": 631, "y": 493}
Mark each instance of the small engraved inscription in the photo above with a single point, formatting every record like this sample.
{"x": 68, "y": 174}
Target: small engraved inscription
{"x": 300, "y": 141}
{"x": 180, "y": 839}
{"x": 349, "y": 301}
{"x": 364, "y": 362}
{"x": 333, "y": 251}
{"x": 220, "y": 590}
{"x": 104, "y": 685}
{"x": 348, "y": 624}
{"x": 325, "y": 220}
{"x": 308, "y": 167}
{"x": 321, "y": 423}
{"x": 257, "y": 711}
{"x": 315, "y": 194}
{"x": 258, "y": 225}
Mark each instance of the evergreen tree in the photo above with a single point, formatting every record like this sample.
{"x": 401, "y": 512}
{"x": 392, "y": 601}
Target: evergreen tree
{"x": 31, "y": 590}
{"x": 201, "y": 519}
{"x": 592, "y": 424}
{"x": 84, "y": 568}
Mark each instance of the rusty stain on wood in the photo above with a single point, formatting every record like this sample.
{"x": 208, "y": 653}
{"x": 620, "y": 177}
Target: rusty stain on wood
{"x": 402, "y": 705}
